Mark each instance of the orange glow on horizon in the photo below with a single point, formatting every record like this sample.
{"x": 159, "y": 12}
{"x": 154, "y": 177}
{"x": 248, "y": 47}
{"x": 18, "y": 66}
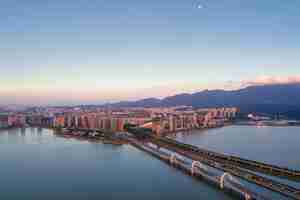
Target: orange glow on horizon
{"x": 40, "y": 95}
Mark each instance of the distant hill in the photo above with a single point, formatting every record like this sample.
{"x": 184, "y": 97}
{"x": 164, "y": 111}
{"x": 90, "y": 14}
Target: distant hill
{"x": 270, "y": 99}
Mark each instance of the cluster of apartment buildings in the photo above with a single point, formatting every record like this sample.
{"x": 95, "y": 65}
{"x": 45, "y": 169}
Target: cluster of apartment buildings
{"x": 160, "y": 120}
{"x": 110, "y": 121}
{"x": 191, "y": 119}
{"x": 12, "y": 120}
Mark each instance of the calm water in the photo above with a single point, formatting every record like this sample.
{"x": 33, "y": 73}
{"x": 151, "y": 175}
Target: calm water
{"x": 275, "y": 145}
{"x": 38, "y": 165}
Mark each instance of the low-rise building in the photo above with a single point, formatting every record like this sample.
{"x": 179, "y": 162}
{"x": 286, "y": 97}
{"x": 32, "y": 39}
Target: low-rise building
{"x": 4, "y": 122}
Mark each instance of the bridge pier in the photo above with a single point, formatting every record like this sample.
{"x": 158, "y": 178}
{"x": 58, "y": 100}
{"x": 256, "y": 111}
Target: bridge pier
{"x": 173, "y": 159}
{"x": 222, "y": 180}
{"x": 194, "y": 165}
{"x": 222, "y": 184}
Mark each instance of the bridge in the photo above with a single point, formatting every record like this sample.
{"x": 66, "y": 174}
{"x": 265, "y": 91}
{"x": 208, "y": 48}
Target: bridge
{"x": 198, "y": 169}
{"x": 195, "y": 161}
{"x": 221, "y": 162}
{"x": 261, "y": 167}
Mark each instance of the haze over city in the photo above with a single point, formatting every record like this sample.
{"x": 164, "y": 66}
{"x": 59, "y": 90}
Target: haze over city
{"x": 150, "y": 99}
{"x": 62, "y": 52}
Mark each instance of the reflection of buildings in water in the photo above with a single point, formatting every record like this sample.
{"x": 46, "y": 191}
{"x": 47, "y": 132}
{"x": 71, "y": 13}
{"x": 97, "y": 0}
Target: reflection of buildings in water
{"x": 39, "y": 131}
{"x": 23, "y": 131}
{"x": 13, "y": 131}
{"x": 32, "y": 131}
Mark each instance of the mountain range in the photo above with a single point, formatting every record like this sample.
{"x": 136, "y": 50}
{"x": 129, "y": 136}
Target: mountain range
{"x": 281, "y": 99}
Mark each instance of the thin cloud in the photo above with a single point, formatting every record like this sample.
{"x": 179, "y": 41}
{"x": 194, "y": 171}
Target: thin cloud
{"x": 271, "y": 80}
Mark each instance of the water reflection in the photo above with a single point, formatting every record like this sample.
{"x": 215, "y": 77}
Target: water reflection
{"x": 60, "y": 168}
{"x": 23, "y": 131}
{"x": 262, "y": 144}
{"x": 39, "y": 131}
{"x": 274, "y": 145}
{"x": 13, "y": 131}
{"x": 32, "y": 131}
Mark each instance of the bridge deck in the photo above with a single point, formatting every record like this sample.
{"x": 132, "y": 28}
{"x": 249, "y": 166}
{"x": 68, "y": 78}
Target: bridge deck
{"x": 212, "y": 178}
{"x": 223, "y": 165}
{"x": 265, "y": 168}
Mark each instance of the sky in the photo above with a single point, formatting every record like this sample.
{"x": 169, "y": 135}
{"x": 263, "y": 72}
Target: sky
{"x": 99, "y": 51}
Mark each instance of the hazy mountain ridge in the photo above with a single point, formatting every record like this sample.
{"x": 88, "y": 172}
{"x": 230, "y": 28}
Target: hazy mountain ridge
{"x": 271, "y": 99}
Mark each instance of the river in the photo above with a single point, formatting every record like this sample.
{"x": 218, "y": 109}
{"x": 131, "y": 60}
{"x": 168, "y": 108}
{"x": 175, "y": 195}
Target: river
{"x": 275, "y": 145}
{"x": 36, "y": 164}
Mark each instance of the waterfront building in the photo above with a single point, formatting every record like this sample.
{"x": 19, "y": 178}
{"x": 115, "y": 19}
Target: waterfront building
{"x": 120, "y": 124}
{"x": 47, "y": 121}
{"x": 160, "y": 120}
{"x": 4, "y": 121}
{"x": 59, "y": 121}
{"x": 35, "y": 120}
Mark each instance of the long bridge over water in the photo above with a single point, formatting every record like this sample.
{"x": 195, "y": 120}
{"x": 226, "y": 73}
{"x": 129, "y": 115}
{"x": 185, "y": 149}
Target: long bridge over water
{"x": 238, "y": 169}
{"x": 197, "y": 169}
{"x": 194, "y": 161}
{"x": 272, "y": 170}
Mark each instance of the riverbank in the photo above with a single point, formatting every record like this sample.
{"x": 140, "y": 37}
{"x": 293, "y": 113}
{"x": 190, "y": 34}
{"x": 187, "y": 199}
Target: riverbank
{"x": 197, "y": 129}
{"x": 92, "y": 136}
{"x": 12, "y": 127}
{"x": 275, "y": 123}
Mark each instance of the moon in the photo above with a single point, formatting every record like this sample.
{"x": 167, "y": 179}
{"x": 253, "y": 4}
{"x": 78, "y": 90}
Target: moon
{"x": 200, "y": 6}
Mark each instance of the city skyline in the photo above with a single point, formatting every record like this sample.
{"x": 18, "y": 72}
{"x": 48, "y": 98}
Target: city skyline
{"x": 61, "y": 52}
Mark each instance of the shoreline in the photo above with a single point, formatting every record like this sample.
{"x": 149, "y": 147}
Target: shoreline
{"x": 198, "y": 129}
{"x": 271, "y": 123}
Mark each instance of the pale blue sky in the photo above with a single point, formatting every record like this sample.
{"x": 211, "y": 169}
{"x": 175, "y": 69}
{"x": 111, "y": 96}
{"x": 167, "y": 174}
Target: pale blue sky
{"x": 108, "y": 49}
